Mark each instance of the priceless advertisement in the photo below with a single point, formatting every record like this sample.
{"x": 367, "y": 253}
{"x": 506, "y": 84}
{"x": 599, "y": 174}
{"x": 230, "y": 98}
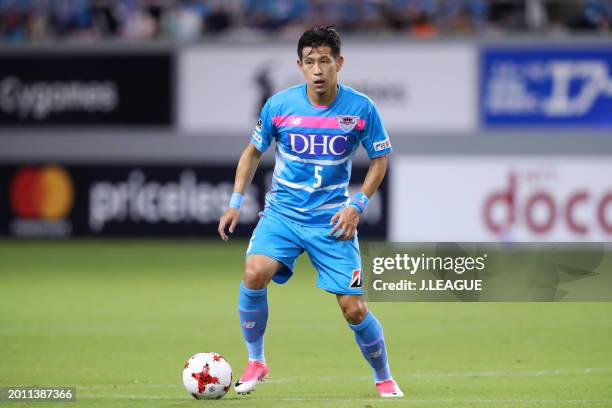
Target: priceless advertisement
{"x": 540, "y": 87}
{"x": 425, "y": 89}
{"x": 501, "y": 199}
{"x": 56, "y": 201}
{"x": 79, "y": 89}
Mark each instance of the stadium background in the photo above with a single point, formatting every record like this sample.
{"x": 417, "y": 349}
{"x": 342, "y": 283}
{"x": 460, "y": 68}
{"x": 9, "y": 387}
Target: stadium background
{"x": 124, "y": 120}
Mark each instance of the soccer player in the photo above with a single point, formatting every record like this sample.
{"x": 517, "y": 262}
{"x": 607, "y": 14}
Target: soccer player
{"x": 318, "y": 126}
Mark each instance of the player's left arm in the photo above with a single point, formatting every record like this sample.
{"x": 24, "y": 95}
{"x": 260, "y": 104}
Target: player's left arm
{"x": 346, "y": 220}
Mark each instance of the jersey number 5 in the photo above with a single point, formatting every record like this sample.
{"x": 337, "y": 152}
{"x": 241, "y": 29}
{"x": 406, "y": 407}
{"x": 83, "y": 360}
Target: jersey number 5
{"x": 318, "y": 177}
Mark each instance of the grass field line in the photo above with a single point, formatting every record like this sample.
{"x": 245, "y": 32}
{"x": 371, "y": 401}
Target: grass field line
{"x": 239, "y": 399}
{"x": 509, "y": 373}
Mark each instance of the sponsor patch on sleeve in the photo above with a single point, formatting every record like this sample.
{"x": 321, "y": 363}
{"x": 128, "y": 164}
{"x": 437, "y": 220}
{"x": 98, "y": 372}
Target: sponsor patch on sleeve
{"x": 257, "y": 137}
{"x": 382, "y": 145}
{"x": 259, "y": 125}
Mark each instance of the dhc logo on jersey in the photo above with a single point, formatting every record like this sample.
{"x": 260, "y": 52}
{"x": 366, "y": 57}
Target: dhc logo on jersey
{"x": 318, "y": 144}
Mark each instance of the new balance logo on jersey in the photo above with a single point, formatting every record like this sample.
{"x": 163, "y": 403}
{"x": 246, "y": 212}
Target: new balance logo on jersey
{"x": 318, "y": 144}
{"x": 296, "y": 121}
{"x": 356, "y": 279}
{"x": 248, "y": 324}
{"x": 347, "y": 122}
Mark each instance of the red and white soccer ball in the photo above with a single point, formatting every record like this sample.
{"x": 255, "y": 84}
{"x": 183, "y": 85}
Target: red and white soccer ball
{"x": 207, "y": 376}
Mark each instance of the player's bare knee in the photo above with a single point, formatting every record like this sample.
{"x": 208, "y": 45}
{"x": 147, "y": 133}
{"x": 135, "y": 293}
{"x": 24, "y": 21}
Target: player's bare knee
{"x": 354, "y": 311}
{"x": 254, "y": 277}
{"x": 255, "y": 274}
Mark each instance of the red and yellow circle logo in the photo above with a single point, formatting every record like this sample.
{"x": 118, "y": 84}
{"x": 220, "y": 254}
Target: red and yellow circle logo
{"x": 46, "y": 193}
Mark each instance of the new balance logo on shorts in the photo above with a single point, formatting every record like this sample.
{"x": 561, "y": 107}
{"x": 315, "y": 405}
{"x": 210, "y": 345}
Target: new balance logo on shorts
{"x": 356, "y": 279}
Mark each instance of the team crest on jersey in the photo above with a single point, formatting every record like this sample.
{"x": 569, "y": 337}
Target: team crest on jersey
{"x": 356, "y": 279}
{"x": 347, "y": 122}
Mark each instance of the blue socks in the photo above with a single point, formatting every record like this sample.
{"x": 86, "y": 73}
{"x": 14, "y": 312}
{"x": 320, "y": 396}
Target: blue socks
{"x": 371, "y": 341}
{"x": 253, "y": 312}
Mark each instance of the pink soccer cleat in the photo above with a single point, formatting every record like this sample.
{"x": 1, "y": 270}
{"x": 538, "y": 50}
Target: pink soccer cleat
{"x": 255, "y": 372}
{"x": 389, "y": 389}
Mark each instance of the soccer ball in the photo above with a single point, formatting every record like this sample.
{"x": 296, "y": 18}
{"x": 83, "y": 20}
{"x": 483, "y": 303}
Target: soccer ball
{"x": 207, "y": 376}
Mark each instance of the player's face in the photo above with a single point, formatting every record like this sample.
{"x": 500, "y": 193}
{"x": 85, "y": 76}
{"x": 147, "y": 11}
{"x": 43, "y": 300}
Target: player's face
{"x": 320, "y": 68}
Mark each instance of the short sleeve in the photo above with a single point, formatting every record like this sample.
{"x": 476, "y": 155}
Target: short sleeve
{"x": 374, "y": 137}
{"x": 263, "y": 132}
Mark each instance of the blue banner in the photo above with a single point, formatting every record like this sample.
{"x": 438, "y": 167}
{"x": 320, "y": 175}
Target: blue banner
{"x": 546, "y": 87}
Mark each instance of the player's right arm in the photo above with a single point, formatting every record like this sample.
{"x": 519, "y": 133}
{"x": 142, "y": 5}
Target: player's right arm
{"x": 247, "y": 165}
{"x": 260, "y": 140}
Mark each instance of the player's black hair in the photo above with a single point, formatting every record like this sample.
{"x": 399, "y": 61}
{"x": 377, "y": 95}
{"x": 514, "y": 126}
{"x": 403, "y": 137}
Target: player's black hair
{"x": 319, "y": 36}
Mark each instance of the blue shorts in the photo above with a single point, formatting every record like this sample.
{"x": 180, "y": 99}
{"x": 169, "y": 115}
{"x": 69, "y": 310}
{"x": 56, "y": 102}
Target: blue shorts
{"x": 337, "y": 262}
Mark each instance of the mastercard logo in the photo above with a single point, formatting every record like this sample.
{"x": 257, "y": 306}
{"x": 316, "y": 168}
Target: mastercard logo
{"x": 42, "y": 193}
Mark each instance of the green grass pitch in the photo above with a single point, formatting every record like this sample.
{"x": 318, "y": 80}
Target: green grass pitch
{"x": 117, "y": 319}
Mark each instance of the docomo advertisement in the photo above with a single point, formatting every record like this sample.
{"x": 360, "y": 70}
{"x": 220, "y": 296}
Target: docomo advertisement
{"x": 501, "y": 199}
{"x": 416, "y": 88}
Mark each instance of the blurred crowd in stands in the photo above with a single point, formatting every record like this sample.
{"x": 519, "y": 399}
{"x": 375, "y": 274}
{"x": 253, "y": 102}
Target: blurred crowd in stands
{"x": 189, "y": 20}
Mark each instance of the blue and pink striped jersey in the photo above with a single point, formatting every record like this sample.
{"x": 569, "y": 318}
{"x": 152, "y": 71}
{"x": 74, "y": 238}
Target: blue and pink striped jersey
{"x": 315, "y": 146}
